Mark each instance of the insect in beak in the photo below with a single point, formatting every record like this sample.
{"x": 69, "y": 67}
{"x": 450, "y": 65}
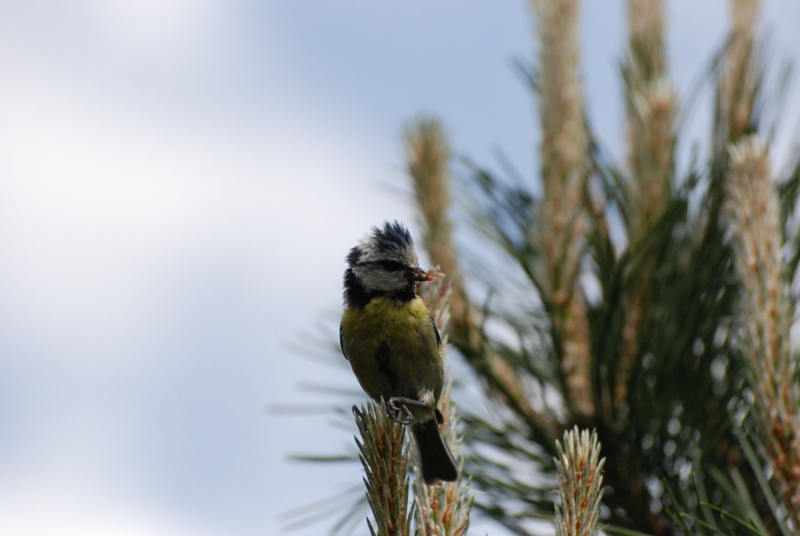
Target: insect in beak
{"x": 418, "y": 274}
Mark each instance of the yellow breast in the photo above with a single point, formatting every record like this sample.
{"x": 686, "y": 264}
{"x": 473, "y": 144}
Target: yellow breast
{"x": 392, "y": 348}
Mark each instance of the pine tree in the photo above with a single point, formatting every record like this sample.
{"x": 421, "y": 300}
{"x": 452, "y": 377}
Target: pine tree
{"x": 649, "y": 304}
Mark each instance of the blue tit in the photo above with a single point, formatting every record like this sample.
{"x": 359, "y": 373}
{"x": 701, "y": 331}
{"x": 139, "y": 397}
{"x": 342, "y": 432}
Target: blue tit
{"x": 392, "y": 342}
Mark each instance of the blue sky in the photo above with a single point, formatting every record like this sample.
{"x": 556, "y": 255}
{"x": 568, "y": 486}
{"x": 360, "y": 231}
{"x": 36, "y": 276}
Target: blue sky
{"x": 179, "y": 183}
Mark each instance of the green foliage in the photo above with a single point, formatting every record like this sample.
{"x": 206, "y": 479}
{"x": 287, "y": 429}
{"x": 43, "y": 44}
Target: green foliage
{"x": 623, "y": 300}
{"x": 662, "y": 296}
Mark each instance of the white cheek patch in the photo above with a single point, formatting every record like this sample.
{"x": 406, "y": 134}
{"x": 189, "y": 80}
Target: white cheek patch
{"x": 375, "y": 278}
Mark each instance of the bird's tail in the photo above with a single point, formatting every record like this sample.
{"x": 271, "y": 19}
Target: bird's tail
{"x": 436, "y": 461}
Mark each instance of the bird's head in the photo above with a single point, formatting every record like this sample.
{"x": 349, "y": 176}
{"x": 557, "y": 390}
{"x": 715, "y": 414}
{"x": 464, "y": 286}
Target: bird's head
{"x": 385, "y": 263}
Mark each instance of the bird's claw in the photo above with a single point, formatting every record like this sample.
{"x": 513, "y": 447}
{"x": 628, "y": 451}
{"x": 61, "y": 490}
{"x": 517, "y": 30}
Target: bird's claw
{"x": 398, "y": 411}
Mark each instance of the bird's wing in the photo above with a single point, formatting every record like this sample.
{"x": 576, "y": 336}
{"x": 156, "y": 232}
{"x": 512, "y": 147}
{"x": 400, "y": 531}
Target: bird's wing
{"x": 435, "y": 331}
{"x": 342, "y": 345}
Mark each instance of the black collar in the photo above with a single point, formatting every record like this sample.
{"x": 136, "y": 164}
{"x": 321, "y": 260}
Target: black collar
{"x": 355, "y": 295}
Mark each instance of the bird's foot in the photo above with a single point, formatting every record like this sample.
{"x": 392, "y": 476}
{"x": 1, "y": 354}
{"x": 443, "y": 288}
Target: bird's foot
{"x": 397, "y": 409}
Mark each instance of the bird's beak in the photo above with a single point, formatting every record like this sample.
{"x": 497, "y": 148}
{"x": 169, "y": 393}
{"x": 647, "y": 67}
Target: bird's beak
{"x": 418, "y": 274}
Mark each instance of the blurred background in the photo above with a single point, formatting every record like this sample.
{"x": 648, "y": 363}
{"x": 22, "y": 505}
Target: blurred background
{"x": 179, "y": 184}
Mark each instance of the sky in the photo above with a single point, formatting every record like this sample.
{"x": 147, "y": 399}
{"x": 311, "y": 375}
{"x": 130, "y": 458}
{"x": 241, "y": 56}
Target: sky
{"x": 179, "y": 184}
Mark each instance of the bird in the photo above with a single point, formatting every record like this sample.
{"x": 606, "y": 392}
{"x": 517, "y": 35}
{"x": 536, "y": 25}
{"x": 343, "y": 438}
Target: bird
{"x": 392, "y": 343}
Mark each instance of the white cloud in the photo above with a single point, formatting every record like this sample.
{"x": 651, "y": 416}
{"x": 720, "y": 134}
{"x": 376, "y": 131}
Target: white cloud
{"x": 97, "y": 197}
{"x": 35, "y": 507}
{"x": 165, "y": 28}
{"x": 113, "y": 211}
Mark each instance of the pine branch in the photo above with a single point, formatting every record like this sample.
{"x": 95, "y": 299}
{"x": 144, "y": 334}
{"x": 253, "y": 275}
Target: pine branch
{"x": 562, "y": 225}
{"x": 753, "y": 215}
{"x": 740, "y": 78}
{"x": 384, "y": 456}
{"x": 580, "y": 479}
{"x": 443, "y": 509}
{"x": 427, "y": 159}
{"x": 650, "y": 116}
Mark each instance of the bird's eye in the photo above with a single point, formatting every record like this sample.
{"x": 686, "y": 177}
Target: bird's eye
{"x": 391, "y": 266}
